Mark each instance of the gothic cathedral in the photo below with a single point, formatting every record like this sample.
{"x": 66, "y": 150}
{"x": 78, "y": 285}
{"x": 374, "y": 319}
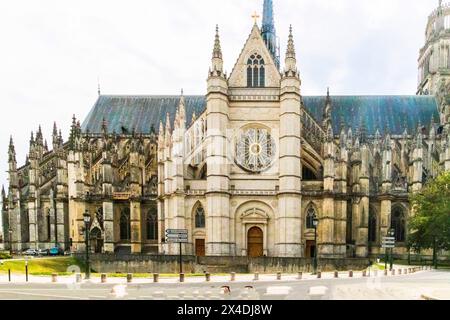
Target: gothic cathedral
{"x": 250, "y": 169}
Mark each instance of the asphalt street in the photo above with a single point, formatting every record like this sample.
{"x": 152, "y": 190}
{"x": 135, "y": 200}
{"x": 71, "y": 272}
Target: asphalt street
{"x": 409, "y": 287}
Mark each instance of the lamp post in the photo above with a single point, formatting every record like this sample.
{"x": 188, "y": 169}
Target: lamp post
{"x": 315, "y": 223}
{"x": 391, "y": 262}
{"x": 10, "y": 242}
{"x": 87, "y": 220}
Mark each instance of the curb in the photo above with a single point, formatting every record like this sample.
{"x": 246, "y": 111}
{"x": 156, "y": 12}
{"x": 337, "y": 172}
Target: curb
{"x": 429, "y": 297}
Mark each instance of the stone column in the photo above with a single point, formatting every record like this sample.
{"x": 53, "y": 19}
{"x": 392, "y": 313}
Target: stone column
{"x": 218, "y": 220}
{"x": 326, "y": 224}
{"x": 363, "y": 227}
{"x": 288, "y": 218}
{"x": 61, "y": 223}
{"x": 108, "y": 205}
{"x": 135, "y": 220}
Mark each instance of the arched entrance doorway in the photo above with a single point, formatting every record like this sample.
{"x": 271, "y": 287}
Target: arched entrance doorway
{"x": 255, "y": 242}
{"x": 96, "y": 240}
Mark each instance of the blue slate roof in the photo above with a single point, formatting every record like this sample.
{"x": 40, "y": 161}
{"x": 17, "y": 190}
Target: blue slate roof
{"x": 144, "y": 112}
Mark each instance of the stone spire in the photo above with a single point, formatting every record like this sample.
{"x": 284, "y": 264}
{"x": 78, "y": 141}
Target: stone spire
{"x": 39, "y": 137}
{"x": 104, "y": 127}
{"x": 327, "y": 119}
{"x": 161, "y": 135}
{"x": 60, "y": 138}
{"x": 32, "y": 140}
{"x": 268, "y": 31}
{"x": 182, "y": 110}
{"x": 327, "y": 109}
{"x": 168, "y": 126}
{"x": 290, "y": 68}
{"x": 217, "y": 59}
{"x": 363, "y": 131}
{"x": 419, "y": 137}
{"x": 388, "y": 142}
{"x": 55, "y": 137}
{"x": 11, "y": 151}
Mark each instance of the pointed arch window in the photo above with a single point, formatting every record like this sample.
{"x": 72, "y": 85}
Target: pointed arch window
{"x": 200, "y": 217}
{"x": 256, "y": 72}
{"x": 152, "y": 224}
{"x": 372, "y": 226}
{"x": 398, "y": 224}
{"x": 125, "y": 225}
{"x": 310, "y": 215}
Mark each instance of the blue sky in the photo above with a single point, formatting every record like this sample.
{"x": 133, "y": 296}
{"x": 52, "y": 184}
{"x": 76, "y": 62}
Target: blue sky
{"x": 53, "y": 51}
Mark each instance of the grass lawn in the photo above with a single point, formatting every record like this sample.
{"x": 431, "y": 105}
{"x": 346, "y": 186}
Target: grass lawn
{"x": 42, "y": 266}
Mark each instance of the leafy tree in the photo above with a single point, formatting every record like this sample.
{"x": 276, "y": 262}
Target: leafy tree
{"x": 429, "y": 227}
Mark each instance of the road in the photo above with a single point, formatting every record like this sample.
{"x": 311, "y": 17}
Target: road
{"x": 409, "y": 287}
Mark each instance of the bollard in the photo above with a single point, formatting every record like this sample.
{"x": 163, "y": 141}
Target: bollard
{"x": 78, "y": 278}
{"x": 9, "y": 275}
{"x": 350, "y": 274}
{"x": 54, "y": 277}
{"x": 181, "y": 277}
{"x": 256, "y": 276}
{"x": 207, "y": 277}
{"x": 233, "y": 276}
{"x": 393, "y": 272}
{"x": 405, "y": 271}
{"x": 103, "y": 278}
{"x": 399, "y": 272}
{"x": 129, "y": 277}
{"x": 155, "y": 277}
{"x": 319, "y": 274}
{"x": 336, "y": 274}
{"x": 300, "y": 276}
{"x": 278, "y": 275}
{"x": 364, "y": 273}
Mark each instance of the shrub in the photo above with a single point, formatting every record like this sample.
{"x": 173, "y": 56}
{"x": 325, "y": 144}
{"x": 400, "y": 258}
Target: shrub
{"x": 5, "y": 255}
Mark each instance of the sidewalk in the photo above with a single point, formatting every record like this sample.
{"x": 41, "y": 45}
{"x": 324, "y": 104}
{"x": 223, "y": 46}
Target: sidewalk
{"x": 239, "y": 278}
{"x": 443, "y": 294}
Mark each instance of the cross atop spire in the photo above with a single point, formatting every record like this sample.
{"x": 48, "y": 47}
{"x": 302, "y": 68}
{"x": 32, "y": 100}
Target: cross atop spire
{"x": 256, "y": 16}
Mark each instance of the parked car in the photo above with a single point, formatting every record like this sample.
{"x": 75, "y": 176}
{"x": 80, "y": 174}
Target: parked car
{"x": 30, "y": 252}
{"x": 55, "y": 251}
{"x": 43, "y": 252}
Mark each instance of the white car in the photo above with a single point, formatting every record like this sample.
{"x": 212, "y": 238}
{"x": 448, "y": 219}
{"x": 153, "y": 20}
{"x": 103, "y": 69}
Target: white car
{"x": 30, "y": 252}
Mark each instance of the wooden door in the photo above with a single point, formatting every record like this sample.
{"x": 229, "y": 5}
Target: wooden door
{"x": 255, "y": 242}
{"x": 310, "y": 249}
{"x": 200, "y": 247}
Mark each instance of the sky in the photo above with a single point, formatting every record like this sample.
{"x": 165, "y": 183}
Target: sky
{"x": 53, "y": 52}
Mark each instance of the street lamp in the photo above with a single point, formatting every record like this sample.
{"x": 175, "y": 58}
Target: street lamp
{"x": 10, "y": 242}
{"x": 315, "y": 224}
{"x": 87, "y": 220}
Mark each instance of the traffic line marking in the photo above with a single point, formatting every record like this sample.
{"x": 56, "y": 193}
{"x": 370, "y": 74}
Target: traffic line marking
{"x": 40, "y": 295}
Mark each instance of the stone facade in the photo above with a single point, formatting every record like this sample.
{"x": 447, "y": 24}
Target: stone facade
{"x": 245, "y": 169}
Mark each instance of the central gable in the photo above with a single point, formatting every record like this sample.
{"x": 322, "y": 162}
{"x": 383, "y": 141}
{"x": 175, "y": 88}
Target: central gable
{"x": 254, "y": 46}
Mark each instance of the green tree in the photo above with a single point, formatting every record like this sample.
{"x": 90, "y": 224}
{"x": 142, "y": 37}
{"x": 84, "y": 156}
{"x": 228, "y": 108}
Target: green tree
{"x": 429, "y": 226}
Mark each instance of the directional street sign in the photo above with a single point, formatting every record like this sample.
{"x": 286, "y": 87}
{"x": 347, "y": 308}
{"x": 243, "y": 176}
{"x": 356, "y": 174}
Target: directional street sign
{"x": 176, "y": 231}
{"x": 176, "y": 236}
{"x": 388, "y": 242}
